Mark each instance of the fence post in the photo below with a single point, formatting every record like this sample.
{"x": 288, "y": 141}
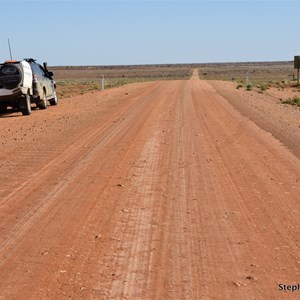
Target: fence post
{"x": 102, "y": 83}
{"x": 247, "y": 79}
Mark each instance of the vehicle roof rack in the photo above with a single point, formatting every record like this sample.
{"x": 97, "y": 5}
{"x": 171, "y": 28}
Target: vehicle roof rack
{"x": 30, "y": 59}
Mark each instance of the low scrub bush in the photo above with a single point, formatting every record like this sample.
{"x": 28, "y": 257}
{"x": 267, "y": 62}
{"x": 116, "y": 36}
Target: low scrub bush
{"x": 295, "y": 101}
{"x": 249, "y": 87}
{"x": 263, "y": 87}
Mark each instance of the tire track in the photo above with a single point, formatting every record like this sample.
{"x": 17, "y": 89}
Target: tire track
{"x": 67, "y": 166}
{"x": 174, "y": 195}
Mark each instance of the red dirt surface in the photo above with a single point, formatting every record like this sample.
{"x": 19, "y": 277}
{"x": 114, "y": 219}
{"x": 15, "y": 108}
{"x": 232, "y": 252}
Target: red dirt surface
{"x": 267, "y": 111}
{"x": 156, "y": 190}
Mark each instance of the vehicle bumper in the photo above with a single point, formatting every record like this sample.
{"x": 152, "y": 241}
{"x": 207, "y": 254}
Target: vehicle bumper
{"x": 10, "y": 95}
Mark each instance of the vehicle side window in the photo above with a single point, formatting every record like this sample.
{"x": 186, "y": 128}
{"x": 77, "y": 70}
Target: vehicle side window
{"x": 36, "y": 70}
{"x": 43, "y": 71}
{"x": 39, "y": 70}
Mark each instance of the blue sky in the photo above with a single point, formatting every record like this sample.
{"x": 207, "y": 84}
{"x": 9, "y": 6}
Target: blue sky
{"x": 149, "y": 32}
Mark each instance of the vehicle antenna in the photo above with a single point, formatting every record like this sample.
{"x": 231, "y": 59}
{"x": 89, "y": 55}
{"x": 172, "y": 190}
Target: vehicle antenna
{"x": 9, "y": 49}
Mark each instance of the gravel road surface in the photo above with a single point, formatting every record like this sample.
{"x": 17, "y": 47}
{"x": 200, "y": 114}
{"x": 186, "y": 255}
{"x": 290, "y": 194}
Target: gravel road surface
{"x": 157, "y": 190}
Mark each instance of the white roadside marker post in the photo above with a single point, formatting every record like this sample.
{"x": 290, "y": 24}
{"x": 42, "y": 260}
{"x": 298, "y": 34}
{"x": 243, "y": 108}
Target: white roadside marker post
{"x": 247, "y": 79}
{"x": 102, "y": 83}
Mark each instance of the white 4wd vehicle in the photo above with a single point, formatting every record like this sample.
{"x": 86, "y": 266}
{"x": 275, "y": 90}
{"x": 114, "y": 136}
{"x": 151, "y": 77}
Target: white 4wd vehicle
{"x": 25, "y": 82}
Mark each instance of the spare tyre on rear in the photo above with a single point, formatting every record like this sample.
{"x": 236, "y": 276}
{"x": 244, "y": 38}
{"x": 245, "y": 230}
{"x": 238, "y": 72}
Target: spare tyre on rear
{"x": 10, "y": 76}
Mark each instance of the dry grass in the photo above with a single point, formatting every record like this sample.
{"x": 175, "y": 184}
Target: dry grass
{"x": 79, "y": 80}
{"x": 259, "y": 74}
{"x": 295, "y": 101}
{"x": 74, "y": 80}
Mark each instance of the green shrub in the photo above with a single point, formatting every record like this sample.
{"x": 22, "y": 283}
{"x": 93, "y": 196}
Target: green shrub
{"x": 249, "y": 87}
{"x": 295, "y": 101}
{"x": 263, "y": 87}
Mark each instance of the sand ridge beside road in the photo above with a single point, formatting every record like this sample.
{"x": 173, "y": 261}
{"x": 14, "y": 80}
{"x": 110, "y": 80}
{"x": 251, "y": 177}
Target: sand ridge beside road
{"x": 150, "y": 191}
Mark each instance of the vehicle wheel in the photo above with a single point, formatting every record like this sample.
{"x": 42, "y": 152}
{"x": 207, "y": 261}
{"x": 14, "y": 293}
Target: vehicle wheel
{"x": 43, "y": 103}
{"x": 26, "y": 107}
{"x": 54, "y": 100}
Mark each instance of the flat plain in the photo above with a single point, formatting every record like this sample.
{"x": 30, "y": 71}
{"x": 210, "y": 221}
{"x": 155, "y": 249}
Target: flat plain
{"x": 80, "y": 79}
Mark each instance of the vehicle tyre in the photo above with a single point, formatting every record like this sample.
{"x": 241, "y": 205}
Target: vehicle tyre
{"x": 54, "y": 100}
{"x": 26, "y": 107}
{"x": 43, "y": 103}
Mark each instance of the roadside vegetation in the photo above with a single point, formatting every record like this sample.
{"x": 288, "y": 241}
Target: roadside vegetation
{"x": 257, "y": 72}
{"x": 262, "y": 77}
{"x": 295, "y": 101}
{"x": 73, "y": 81}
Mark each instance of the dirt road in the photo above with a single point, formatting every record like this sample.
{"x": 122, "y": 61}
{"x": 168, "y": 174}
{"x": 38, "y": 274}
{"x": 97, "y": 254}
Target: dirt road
{"x": 149, "y": 191}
